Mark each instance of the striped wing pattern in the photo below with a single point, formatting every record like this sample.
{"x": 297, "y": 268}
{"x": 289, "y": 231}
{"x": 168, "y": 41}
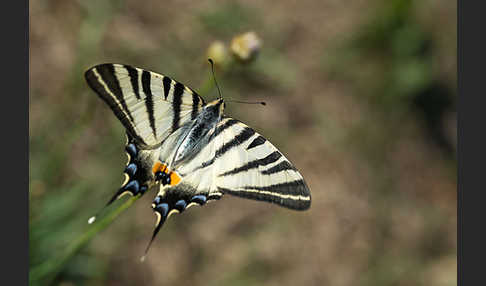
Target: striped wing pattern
{"x": 238, "y": 161}
{"x": 224, "y": 155}
{"x": 249, "y": 166}
{"x": 235, "y": 160}
{"x": 150, "y": 106}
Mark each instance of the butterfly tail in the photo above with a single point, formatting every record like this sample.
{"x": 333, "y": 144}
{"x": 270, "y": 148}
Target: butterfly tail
{"x": 133, "y": 177}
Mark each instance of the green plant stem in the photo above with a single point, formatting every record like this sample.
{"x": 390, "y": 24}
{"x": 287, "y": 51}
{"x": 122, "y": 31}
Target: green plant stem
{"x": 48, "y": 270}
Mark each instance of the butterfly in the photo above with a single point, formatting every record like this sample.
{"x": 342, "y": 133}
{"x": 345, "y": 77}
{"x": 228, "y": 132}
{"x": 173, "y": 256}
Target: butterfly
{"x": 188, "y": 148}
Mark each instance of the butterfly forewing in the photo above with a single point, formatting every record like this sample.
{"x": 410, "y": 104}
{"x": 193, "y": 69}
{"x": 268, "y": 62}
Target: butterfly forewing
{"x": 249, "y": 166}
{"x": 151, "y": 106}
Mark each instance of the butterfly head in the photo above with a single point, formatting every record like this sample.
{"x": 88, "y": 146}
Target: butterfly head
{"x": 222, "y": 105}
{"x": 216, "y": 107}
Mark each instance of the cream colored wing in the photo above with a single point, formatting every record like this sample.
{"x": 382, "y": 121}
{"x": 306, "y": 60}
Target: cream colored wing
{"x": 235, "y": 160}
{"x": 151, "y": 106}
{"x": 249, "y": 166}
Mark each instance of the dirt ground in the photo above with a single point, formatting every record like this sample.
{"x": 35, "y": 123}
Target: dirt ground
{"x": 381, "y": 169}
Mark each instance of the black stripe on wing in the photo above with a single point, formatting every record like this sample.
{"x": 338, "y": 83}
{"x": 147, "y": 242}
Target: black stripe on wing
{"x": 244, "y": 135}
{"x": 294, "y": 194}
{"x": 167, "y": 82}
{"x": 271, "y": 158}
{"x": 103, "y": 81}
{"x": 195, "y": 104}
{"x": 149, "y": 100}
{"x": 107, "y": 73}
{"x": 282, "y": 166}
{"x": 256, "y": 142}
{"x": 133, "y": 74}
{"x": 176, "y": 105}
{"x": 227, "y": 124}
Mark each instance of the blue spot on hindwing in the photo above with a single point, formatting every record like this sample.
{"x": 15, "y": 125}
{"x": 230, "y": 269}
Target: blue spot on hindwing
{"x": 131, "y": 169}
{"x": 163, "y": 209}
{"x": 132, "y": 186}
{"x": 199, "y": 199}
{"x": 180, "y": 205}
{"x": 131, "y": 149}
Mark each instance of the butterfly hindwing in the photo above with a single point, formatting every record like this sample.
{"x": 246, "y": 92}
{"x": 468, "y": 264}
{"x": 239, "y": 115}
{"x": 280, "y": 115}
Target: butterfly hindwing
{"x": 150, "y": 106}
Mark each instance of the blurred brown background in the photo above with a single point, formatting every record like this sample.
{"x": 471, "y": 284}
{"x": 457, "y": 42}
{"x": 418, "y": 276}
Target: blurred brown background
{"x": 361, "y": 97}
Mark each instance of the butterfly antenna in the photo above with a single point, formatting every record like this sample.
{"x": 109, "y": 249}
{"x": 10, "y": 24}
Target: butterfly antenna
{"x": 219, "y": 91}
{"x": 248, "y": 102}
{"x": 214, "y": 77}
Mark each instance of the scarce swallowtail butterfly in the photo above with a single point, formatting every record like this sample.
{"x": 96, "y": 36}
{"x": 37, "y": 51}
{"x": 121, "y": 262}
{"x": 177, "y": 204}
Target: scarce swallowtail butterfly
{"x": 188, "y": 148}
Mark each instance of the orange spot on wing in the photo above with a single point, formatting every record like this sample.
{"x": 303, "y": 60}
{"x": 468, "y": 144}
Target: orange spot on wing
{"x": 158, "y": 166}
{"x": 174, "y": 177}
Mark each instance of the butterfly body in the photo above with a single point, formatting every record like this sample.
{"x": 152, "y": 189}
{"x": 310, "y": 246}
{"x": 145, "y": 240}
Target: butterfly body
{"x": 192, "y": 139}
{"x": 188, "y": 148}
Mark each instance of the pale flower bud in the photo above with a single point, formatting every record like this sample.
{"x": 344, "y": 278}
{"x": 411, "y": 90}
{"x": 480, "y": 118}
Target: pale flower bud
{"x": 245, "y": 47}
{"x": 218, "y": 52}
